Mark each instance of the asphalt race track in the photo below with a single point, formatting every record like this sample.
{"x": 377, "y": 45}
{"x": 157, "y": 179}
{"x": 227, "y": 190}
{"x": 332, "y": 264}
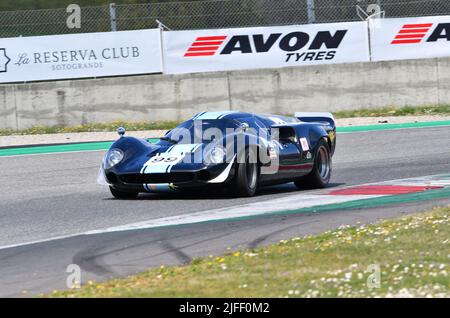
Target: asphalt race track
{"x": 56, "y": 195}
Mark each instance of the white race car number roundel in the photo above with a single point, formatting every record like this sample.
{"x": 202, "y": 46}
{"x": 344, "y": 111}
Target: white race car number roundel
{"x": 160, "y": 159}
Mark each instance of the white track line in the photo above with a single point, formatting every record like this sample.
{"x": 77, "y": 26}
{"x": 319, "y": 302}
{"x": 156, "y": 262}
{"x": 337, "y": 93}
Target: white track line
{"x": 289, "y": 203}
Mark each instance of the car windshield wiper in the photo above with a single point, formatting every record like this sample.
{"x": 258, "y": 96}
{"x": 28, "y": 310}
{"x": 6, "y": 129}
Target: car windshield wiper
{"x": 169, "y": 139}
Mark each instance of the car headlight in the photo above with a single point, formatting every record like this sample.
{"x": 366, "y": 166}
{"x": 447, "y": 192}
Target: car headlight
{"x": 113, "y": 157}
{"x": 217, "y": 155}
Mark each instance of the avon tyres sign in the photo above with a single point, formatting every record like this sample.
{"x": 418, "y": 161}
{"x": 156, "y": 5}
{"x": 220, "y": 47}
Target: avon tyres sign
{"x": 80, "y": 55}
{"x": 410, "y": 38}
{"x": 264, "y": 47}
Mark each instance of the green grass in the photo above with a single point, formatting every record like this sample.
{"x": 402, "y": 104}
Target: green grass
{"x": 412, "y": 254}
{"x": 94, "y": 127}
{"x": 395, "y": 111}
{"x": 143, "y": 125}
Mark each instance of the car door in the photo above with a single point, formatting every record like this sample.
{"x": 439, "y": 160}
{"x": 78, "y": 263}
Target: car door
{"x": 293, "y": 163}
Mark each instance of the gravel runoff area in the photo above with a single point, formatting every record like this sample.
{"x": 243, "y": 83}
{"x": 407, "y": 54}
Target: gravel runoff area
{"x": 22, "y": 140}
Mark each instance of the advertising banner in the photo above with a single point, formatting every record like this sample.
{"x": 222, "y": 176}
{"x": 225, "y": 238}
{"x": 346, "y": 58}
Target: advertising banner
{"x": 264, "y": 47}
{"x": 80, "y": 55}
{"x": 410, "y": 38}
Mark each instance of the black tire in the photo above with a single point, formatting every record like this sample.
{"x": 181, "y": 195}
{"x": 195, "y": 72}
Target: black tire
{"x": 320, "y": 176}
{"x": 247, "y": 175}
{"x": 123, "y": 195}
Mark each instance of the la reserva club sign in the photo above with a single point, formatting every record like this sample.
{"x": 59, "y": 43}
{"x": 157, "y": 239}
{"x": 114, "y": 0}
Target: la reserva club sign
{"x": 80, "y": 55}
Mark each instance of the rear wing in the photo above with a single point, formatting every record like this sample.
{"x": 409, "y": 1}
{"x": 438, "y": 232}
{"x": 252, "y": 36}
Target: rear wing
{"x": 326, "y": 119}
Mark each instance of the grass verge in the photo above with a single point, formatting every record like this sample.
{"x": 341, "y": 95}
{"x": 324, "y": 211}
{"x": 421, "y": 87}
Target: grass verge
{"x": 394, "y": 111}
{"x": 166, "y": 125}
{"x": 94, "y": 127}
{"x": 412, "y": 254}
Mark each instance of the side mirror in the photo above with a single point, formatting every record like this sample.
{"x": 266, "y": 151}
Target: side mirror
{"x": 121, "y": 131}
{"x": 243, "y": 127}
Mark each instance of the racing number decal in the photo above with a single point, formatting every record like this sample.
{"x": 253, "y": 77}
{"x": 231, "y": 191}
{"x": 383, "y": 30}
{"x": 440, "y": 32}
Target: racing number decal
{"x": 304, "y": 143}
{"x": 159, "y": 159}
{"x": 161, "y": 164}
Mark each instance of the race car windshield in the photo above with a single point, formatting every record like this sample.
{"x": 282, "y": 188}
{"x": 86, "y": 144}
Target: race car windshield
{"x": 193, "y": 131}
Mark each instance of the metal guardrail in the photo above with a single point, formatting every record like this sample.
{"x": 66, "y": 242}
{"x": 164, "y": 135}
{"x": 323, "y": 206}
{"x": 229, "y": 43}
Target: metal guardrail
{"x": 211, "y": 14}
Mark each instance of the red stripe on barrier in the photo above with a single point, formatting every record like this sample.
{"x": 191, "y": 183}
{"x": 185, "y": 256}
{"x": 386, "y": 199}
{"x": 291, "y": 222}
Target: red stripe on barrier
{"x": 414, "y": 31}
{"x": 206, "y": 43}
{"x": 382, "y": 190}
{"x": 200, "y": 54}
{"x": 203, "y": 48}
{"x": 410, "y": 36}
{"x": 418, "y": 25}
{"x": 211, "y": 38}
{"x": 405, "y": 41}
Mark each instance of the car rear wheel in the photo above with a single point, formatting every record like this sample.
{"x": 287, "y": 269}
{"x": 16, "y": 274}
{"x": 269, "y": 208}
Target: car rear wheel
{"x": 247, "y": 174}
{"x": 320, "y": 176}
{"x": 123, "y": 195}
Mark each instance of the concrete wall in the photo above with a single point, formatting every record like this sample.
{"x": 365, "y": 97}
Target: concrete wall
{"x": 165, "y": 97}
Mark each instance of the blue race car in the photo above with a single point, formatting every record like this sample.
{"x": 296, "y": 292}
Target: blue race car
{"x": 237, "y": 150}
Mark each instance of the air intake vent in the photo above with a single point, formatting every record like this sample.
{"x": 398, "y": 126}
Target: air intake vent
{"x": 155, "y": 178}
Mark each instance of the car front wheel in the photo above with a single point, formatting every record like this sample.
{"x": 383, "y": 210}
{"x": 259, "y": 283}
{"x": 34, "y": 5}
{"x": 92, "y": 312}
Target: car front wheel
{"x": 247, "y": 174}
